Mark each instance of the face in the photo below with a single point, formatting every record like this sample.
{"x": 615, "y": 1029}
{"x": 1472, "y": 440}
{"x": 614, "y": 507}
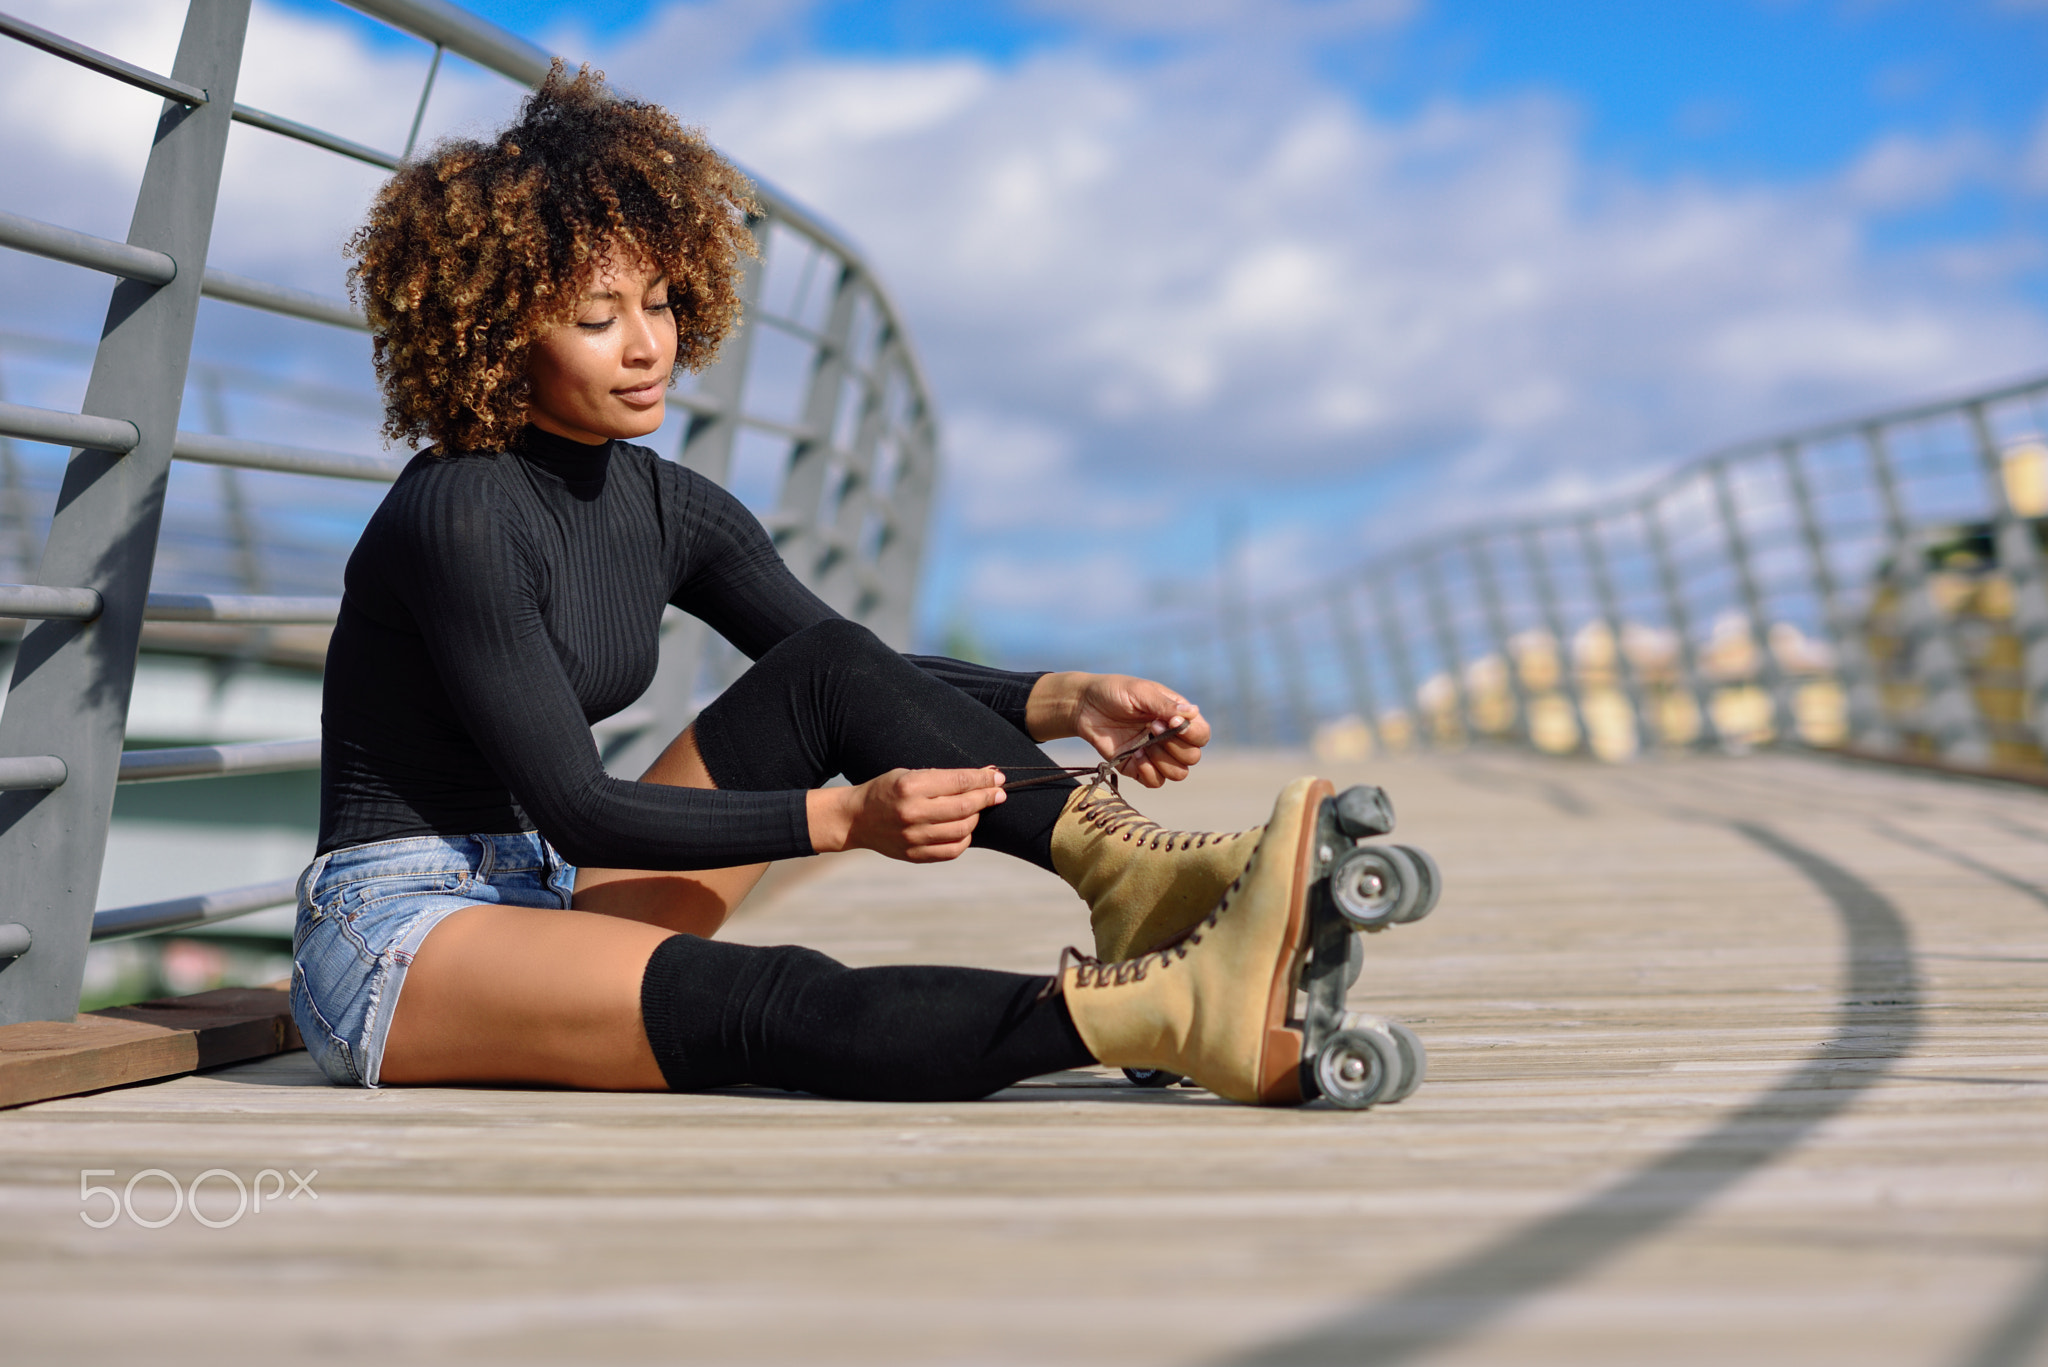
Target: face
{"x": 605, "y": 372}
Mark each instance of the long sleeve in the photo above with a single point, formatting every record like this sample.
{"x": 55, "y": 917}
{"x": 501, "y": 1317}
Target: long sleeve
{"x": 476, "y": 597}
{"x": 742, "y": 588}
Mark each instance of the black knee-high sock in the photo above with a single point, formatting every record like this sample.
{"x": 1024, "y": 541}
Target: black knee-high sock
{"x": 832, "y": 699}
{"x": 719, "y": 1014}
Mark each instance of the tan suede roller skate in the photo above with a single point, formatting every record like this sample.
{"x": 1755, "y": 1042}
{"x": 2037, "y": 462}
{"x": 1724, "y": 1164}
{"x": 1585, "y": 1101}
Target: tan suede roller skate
{"x": 1220, "y": 1004}
{"x": 1145, "y": 885}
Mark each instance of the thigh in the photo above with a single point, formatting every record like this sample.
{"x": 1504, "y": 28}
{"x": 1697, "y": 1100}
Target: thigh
{"x": 525, "y": 994}
{"x": 693, "y": 903}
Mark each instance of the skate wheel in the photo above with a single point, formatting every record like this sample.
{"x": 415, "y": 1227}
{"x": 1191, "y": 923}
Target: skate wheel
{"x": 1407, "y": 1046}
{"x": 1412, "y": 1054}
{"x": 1354, "y": 1068}
{"x": 1364, "y": 810}
{"x": 1151, "y": 1077}
{"x": 1375, "y": 885}
{"x": 1429, "y": 883}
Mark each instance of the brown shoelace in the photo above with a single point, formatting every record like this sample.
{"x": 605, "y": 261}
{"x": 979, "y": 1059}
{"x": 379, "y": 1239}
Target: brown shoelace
{"x": 1114, "y": 816}
{"x": 1098, "y": 775}
{"x": 1090, "y": 971}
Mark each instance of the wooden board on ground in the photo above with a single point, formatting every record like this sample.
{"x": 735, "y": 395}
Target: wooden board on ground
{"x": 144, "y": 1042}
{"x": 1733, "y": 1061}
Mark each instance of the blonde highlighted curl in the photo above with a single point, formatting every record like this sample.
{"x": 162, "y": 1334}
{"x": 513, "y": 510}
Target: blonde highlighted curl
{"x": 475, "y": 250}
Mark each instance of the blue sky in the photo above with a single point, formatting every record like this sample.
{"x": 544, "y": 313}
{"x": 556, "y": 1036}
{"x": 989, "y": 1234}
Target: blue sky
{"x": 1332, "y": 272}
{"x": 1737, "y": 88}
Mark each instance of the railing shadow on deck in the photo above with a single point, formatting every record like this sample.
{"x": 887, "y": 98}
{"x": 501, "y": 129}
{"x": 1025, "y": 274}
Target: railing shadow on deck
{"x": 1880, "y": 1005}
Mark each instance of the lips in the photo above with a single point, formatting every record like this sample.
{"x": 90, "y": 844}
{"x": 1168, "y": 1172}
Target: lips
{"x": 645, "y": 394}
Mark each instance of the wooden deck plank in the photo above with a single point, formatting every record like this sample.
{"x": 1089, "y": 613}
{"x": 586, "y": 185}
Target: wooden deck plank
{"x": 142, "y": 1043}
{"x": 1732, "y": 1061}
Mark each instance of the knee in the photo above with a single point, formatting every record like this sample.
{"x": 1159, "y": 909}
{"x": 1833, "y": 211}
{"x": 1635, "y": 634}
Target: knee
{"x": 836, "y": 644}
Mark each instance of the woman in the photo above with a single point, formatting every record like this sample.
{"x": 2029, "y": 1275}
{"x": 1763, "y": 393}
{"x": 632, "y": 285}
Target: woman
{"x": 488, "y": 905}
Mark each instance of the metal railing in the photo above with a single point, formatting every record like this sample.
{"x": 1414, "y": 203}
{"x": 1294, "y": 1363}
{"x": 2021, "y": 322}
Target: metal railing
{"x": 1876, "y": 585}
{"x": 830, "y": 426}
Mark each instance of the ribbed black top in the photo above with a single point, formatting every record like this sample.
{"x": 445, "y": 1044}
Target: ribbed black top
{"x": 498, "y": 605}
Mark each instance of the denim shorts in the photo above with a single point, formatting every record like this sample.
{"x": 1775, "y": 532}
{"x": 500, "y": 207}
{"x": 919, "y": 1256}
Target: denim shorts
{"x": 363, "y": 912}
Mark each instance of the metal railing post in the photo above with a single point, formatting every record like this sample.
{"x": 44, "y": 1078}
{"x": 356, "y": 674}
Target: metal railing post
{"x": 1610, "y": 613}
{"x": 1553, "y": 622}
{"x": 1438, "y": 605}
{"x": 17, "y": 528}
{"x": 1949, "y": 713}
{"x": 1234, "y": 635}
{"x": 1497, "y": 627}
{"x": 839, "y": 576}
{"x": 1852, "y": 663}
{"x": 1397, "y": 655}
{"x": 1350, "y": 648}
{"x": 798, "y": 535}
{"x": 909, "y": 515}
{"x": 72, "y": 680}
{"x": 1769, "y": 675}
{"x": 2019, "y": 558}
{"x": 1293, "y": 674}
{"x": 1681, "y": 623}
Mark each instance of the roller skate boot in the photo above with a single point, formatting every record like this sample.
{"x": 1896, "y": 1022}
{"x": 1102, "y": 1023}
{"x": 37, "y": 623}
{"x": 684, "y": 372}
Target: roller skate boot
{"x": 1144, "y": 885}
{"x": 1249, "y": 1003}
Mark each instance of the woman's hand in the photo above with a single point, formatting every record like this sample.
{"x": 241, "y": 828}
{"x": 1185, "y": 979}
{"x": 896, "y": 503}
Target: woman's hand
{"x": 1110, "y": 711}
{"x": 921, "y": 816}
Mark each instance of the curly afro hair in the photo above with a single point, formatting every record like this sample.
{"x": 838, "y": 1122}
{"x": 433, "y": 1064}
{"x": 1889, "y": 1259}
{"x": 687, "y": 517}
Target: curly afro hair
{"x": 473, "y": 251}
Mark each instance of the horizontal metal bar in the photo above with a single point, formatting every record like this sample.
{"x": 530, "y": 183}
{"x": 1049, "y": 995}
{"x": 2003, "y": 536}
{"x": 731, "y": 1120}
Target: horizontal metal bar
{"x": 182, "y": 913}
{"x": 68, "y": 429}
{"x": 36, "y": 601}
{"x": 15, "y": 940}
{"x": 291, "y": 460}
{"x": 459, "y": 31}
{"x": 26, "y": 234}
{"x": 303, "y": 132}
{"x": 696, "y": 403}
{"x": 29, "y": 772}
{"x": 234, "y": 607}
{"x": 212, "y": 761}
{"x": 260, "y": 294}
{"x": 780, "y": 429}
{"x": 94, "y": 60}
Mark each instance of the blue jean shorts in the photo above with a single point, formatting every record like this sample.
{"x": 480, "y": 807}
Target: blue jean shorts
{"x": 363, "y": 912}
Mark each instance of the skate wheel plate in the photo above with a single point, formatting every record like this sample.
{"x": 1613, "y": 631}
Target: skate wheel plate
{"x": 1364, "y": 810}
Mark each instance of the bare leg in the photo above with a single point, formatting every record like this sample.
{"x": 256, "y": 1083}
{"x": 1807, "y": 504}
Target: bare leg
{"x": 529, "y": 994}
{"x": 695, "y": 903}
{"x": 526, "y": 994}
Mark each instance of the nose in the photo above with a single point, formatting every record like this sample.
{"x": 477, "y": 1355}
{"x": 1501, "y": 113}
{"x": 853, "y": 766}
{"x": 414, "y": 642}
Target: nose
{"x": 643, "y": 347}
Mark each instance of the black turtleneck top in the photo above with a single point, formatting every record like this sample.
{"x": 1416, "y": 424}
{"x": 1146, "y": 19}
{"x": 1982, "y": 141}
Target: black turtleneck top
{"x": 498, "y": 605}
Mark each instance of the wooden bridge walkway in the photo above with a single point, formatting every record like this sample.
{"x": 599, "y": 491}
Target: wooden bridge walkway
{"x": 1734, "y": 1061}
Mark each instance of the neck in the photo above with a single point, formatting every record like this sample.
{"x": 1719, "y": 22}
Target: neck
{"x": 564, "y": 457}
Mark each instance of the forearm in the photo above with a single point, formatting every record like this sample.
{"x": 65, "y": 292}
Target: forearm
{"x": 830, "y": 812}
{"x": 1055, "y": 705}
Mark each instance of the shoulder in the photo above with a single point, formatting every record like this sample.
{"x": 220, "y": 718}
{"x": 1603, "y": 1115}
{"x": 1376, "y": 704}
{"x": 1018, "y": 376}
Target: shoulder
{"x": 455, "y": 501}
{"x": 668, "y": 478}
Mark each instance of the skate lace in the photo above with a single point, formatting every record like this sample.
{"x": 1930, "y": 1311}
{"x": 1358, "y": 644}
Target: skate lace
{"x": 1102, "y": 774}
{"x": 1114, "y": 816}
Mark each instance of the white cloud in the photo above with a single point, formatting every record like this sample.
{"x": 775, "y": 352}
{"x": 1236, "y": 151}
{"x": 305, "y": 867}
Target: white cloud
{"x": 1148, "y": 289}
{"x": 1901, "y": 171}
{"x": 1236, "y": 274}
